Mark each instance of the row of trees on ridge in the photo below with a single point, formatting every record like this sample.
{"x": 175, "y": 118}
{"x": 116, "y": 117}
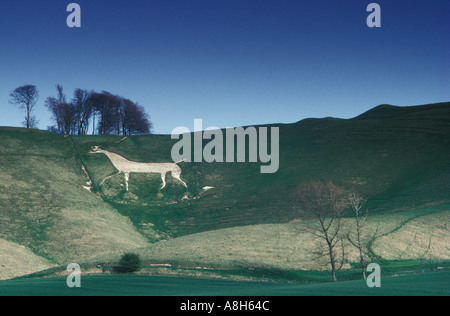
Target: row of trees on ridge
{"x": 108, "y": 113}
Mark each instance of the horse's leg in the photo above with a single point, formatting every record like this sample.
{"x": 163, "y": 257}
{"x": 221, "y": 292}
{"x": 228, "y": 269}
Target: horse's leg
{"x": 110, "y": 177}
{"x": 177, "y": 175}
{"x": 127, "y": 178}
{"x": 163, "y": 178}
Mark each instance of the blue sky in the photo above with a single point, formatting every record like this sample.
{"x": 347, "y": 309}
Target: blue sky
{"x": 228, "y": 62}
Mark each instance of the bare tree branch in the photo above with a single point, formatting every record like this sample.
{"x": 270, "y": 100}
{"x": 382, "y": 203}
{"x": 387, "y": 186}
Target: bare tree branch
{"x": 357, "y": 205}
{"x": 327, "y": 203}
{"x": 26, "y": 98}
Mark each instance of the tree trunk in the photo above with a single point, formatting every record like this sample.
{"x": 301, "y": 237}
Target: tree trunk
{"x": 93, "y": 125}
{"x": 332, "y": 262}
{"x": 28, "y": 116}
{"x": 333, "y": 271}
{"x": 361, "y": 255}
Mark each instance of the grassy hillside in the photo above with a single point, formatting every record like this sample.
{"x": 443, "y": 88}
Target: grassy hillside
{"x": 45, "y": 208}
{"x": 286, "y": 251}
{"x": 396, "y": 157}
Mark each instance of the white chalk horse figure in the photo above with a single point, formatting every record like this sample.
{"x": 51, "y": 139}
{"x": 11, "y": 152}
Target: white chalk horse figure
{"x": 126, "y": 167}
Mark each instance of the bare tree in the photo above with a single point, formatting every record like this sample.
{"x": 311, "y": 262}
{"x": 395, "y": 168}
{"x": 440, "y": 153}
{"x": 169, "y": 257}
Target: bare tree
{"x": 134, "y": 120}
{"x": 63, "y": 113}
{"x": 111, "y": 114}
{"x": 26, "y": 98}
{"x": 120, "y": 116}
{"x": 107, "y": 106}
{"x": 54, "y": 106}
{"x": 357, "y": 204}
{"x": 97, "y": 101}
{"x": 83, "y": 107}
{"x": 326, "y": 203}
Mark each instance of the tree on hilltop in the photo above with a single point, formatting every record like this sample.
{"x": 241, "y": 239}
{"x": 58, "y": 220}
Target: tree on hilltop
{"x": 82, "y": 104}
{"x": 63, "y": 113}
{"x": 109, "y": 114}
{"x": 120, "y": 116}
{"x": 26, "y": 98}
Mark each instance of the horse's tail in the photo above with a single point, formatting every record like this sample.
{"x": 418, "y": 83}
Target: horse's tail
{"x": 184, "y": 159}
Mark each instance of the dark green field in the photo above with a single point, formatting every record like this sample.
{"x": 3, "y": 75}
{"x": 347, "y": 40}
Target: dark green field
{"x": 436, "y": 284}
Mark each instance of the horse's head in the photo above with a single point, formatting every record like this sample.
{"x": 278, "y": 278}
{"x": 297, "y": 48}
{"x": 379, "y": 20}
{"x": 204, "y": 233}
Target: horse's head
{"x": 95, "y": 150}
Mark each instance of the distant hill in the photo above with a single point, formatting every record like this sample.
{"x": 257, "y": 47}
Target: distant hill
{"x": 396, "y": 157}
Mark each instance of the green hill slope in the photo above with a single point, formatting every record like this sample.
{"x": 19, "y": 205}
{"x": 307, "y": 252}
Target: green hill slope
{"x": 396, "y": 157}
{"x": 45, "y": 208}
